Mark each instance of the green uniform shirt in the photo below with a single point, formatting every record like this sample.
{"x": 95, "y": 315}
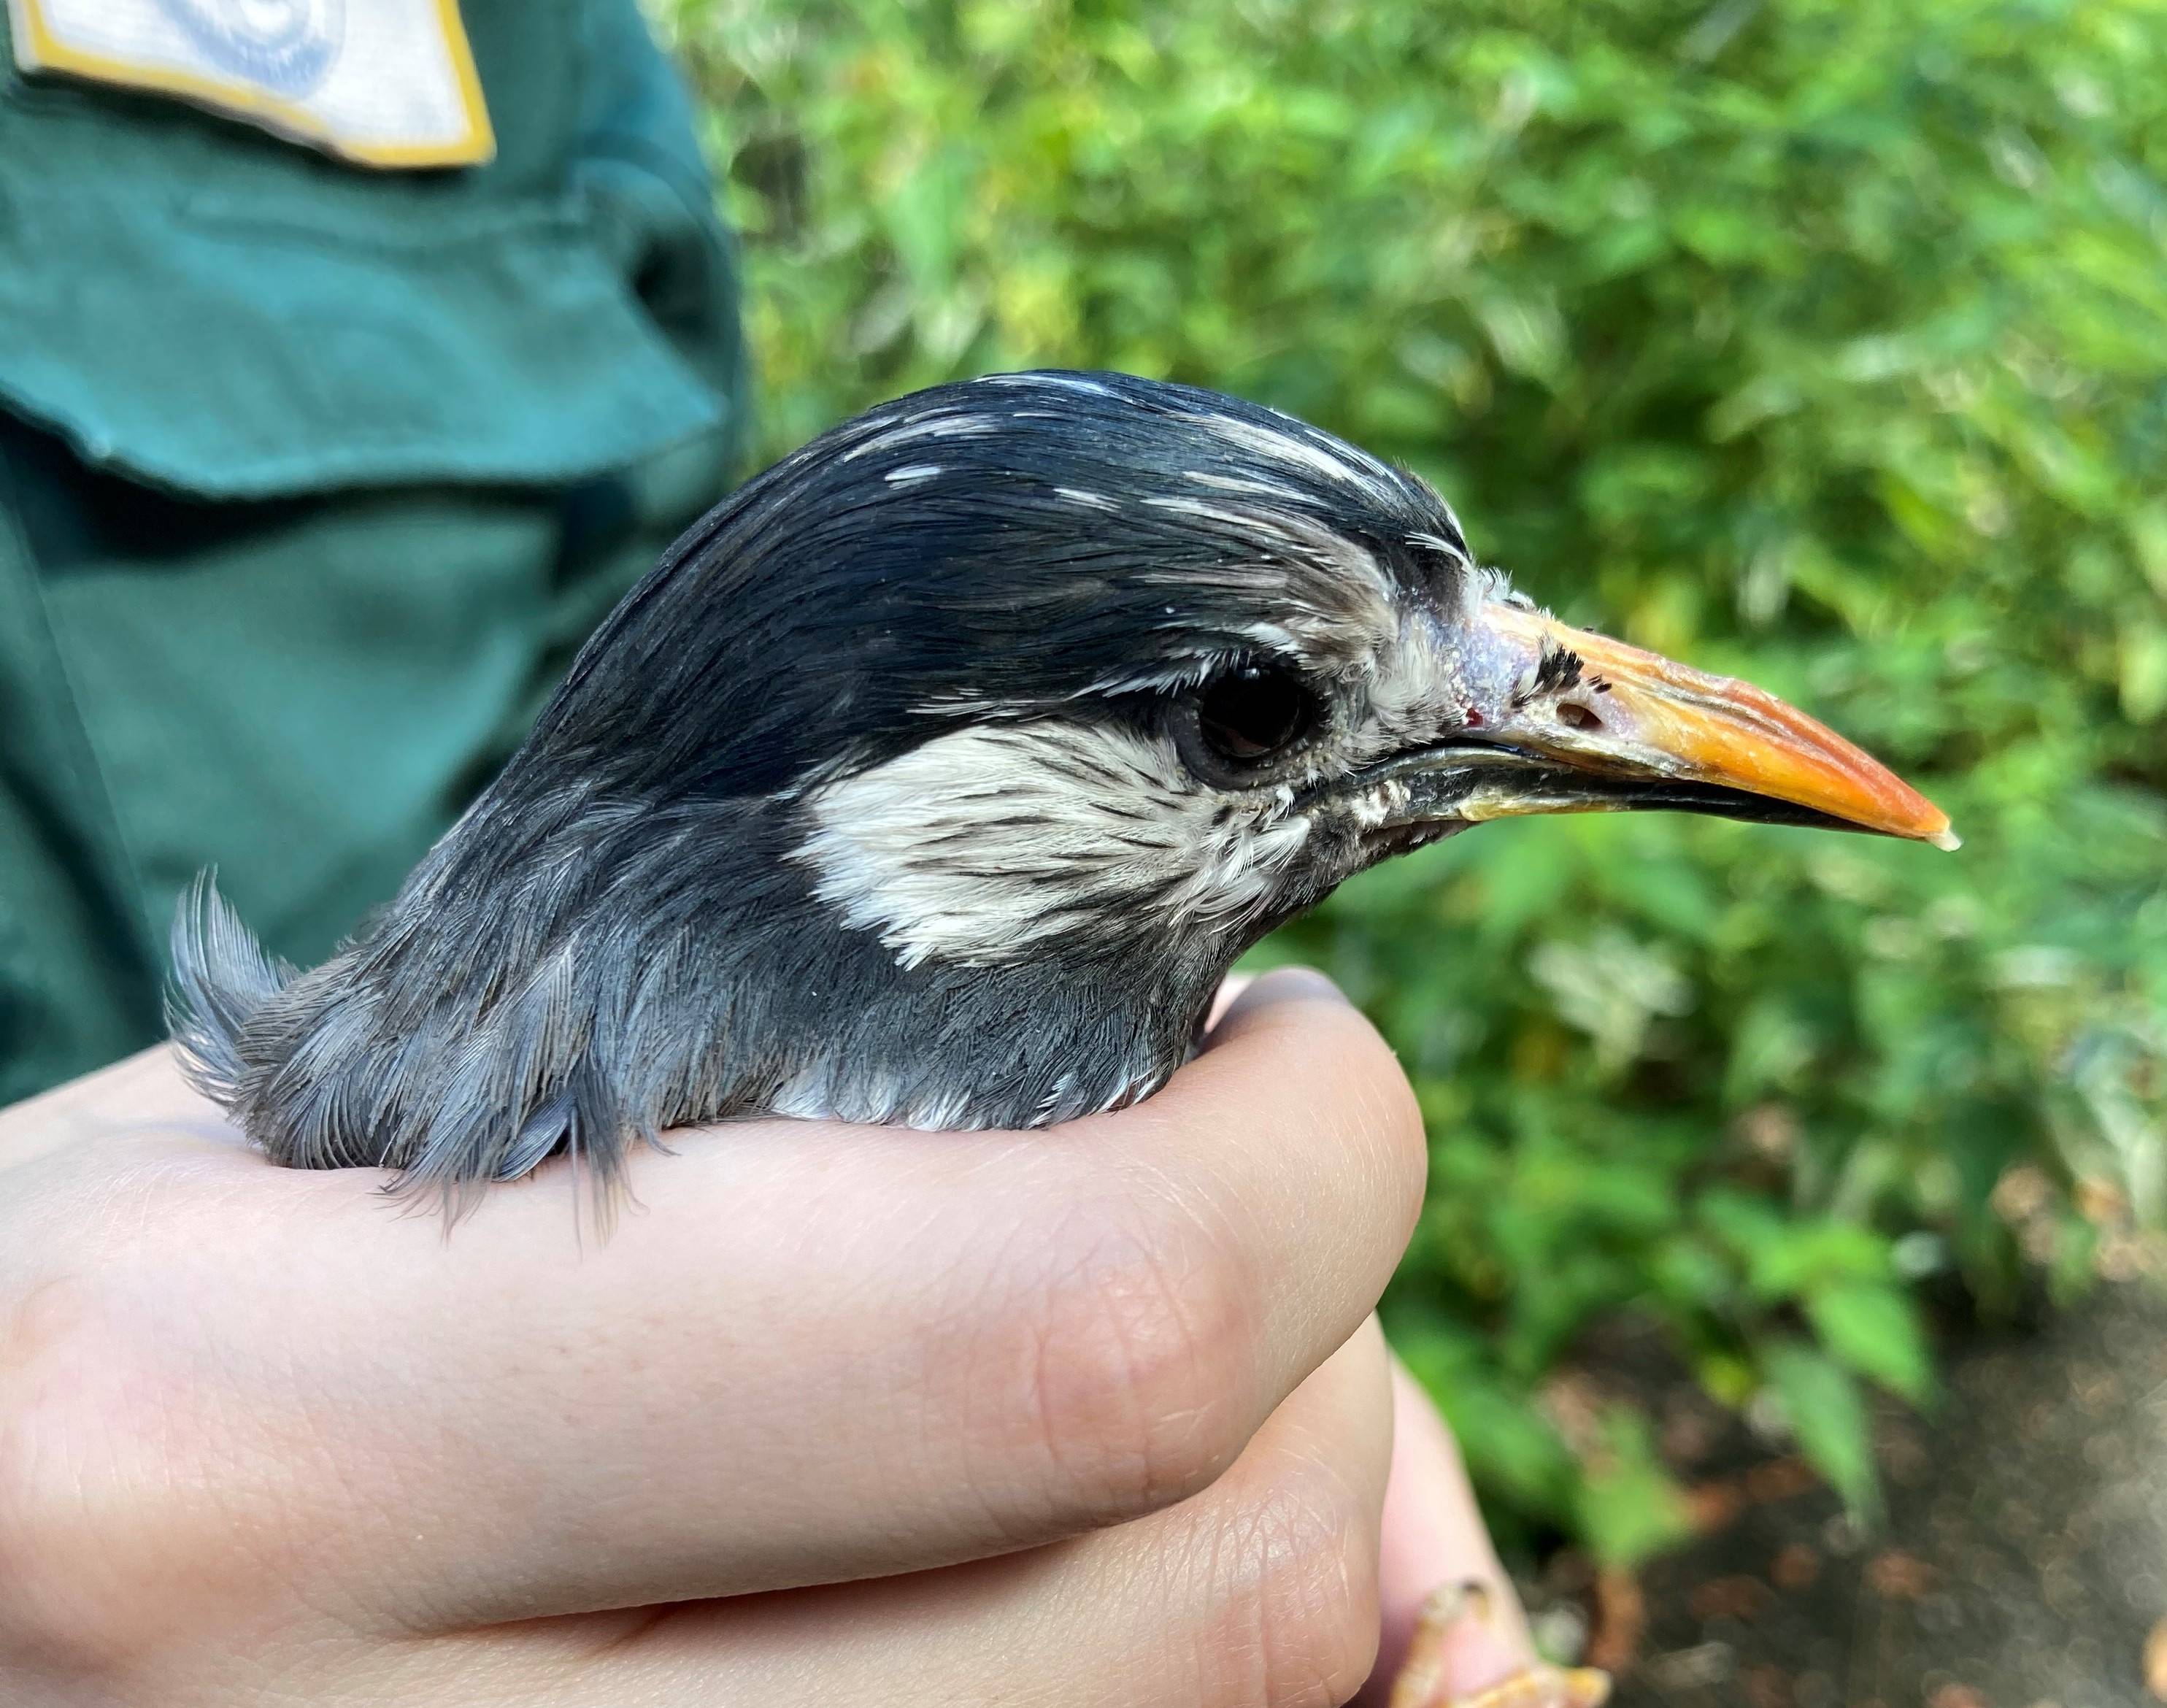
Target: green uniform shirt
{"x": 310, "y": 475}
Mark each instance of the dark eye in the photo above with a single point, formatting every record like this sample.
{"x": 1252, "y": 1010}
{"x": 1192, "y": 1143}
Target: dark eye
{"x": 1254, "y": 712}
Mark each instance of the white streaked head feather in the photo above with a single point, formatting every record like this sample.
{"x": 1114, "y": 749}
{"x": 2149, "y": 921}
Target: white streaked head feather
{"x": 1302, "y": 446}
{"x": 924, "y": 425}
{"x": 1069, "y": 382}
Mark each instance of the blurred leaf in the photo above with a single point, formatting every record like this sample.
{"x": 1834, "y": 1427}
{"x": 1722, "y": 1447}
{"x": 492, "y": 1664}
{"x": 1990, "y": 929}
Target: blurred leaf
{"x": 1629, "y": 1508}
{"x": 2144, "y": 671}
{"x": 1822, "y": 1405}
{"x": 1814, "y": 1256}
{"x": 1875, "y": 1330}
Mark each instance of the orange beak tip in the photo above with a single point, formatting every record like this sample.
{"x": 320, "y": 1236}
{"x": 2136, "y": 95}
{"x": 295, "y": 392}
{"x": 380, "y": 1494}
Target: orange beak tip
{"x": 1946, "y": 840}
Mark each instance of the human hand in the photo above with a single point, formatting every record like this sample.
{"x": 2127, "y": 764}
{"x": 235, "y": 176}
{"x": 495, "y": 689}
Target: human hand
{"x": 1092, "y": 1415}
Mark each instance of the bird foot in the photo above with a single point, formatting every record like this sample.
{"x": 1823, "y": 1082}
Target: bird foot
{"x": 1420, "y": 1682}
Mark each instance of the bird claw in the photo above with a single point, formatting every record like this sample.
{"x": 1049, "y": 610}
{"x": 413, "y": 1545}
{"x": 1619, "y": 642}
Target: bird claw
{"x": 1421, "y": 1681}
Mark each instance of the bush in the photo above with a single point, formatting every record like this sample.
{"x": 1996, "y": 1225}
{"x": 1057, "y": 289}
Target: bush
{"x": 1820, "y": 341}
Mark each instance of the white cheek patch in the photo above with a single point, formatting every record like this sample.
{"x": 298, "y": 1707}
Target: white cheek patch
{"x": 979, "y": 846}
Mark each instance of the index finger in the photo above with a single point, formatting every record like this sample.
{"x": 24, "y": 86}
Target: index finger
{"x": 819, "y": 1352}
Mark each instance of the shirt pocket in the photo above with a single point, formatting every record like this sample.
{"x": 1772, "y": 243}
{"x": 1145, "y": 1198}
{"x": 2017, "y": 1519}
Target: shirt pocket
{"x": 233, "y": 347}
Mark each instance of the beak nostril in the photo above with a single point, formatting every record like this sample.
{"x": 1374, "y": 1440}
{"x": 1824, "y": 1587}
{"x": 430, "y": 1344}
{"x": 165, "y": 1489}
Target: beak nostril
{"x": 1576, "y": 716}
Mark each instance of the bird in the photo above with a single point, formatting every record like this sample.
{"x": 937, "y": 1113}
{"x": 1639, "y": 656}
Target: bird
{"x": 938, "y": 776}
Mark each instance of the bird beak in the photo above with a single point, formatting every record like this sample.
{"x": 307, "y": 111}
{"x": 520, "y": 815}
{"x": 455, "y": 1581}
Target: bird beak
{"x": 1633, "y": 730}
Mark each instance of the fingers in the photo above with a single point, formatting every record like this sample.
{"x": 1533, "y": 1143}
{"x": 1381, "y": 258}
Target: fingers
{"x": 1308, "y": 1201}
{"x": 1262, "y": 1589}
{"x": 1432, "y": 1535}
{"x": 819, "y": 1352}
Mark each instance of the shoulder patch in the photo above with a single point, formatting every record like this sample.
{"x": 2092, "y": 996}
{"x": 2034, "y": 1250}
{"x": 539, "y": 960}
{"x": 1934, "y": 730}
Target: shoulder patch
{"x": 382, "y": 82}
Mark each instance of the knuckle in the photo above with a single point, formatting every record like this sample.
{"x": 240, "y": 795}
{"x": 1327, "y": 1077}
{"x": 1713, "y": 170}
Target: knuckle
{"x": 1143, "y": 1359}
{"x": 1299, "y": 1614}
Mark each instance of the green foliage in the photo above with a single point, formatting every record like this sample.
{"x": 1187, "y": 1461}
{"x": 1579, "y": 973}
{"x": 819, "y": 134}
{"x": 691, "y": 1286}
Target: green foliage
{"x": 1627, "y": 1507}
{"x": 1820, "y": 341}
{"x": 1825, "y": 1409}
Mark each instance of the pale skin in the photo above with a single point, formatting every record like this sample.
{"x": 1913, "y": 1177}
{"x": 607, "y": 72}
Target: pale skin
{"x": 1093, "y": 1416}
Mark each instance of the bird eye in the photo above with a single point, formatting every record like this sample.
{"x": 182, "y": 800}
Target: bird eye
{"x": 1251, "y": 714}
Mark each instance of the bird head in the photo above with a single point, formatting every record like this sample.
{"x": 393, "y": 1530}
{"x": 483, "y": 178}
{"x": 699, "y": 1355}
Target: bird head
{"x": 939, "y": 775}
{"x": 1066, "y": 664}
